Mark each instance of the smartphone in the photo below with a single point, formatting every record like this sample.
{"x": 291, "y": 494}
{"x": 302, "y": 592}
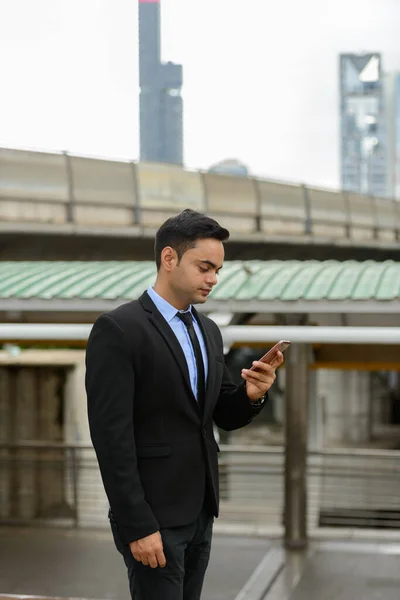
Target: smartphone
{"x": 271, "y": 354}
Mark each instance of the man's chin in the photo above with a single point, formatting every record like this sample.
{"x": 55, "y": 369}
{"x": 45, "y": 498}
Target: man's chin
{"x": 200, "y": 298}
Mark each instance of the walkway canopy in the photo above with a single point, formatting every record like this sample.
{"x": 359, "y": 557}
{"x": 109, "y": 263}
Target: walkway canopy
{"x": 308, "y": 287}
{"x": 275, "y": 293}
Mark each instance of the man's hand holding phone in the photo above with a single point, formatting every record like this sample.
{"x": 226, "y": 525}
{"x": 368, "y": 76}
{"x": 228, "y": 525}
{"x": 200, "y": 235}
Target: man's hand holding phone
{"x": 260, "y": 377}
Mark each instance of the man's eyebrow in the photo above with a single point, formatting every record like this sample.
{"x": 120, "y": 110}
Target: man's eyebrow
{"x": 208, "y": 262}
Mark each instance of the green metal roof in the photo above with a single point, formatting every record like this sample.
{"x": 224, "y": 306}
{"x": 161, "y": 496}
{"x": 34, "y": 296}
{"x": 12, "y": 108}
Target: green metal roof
{"x": 241, "y": 281}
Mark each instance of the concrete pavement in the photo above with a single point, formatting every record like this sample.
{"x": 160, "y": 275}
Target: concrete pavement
{"x": 350, "y": 571}
{"x": 85, "y": 564}
{"x": 65, "y": 563}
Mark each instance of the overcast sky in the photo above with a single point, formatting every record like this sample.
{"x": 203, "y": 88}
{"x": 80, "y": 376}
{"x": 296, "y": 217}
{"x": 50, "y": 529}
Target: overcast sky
{"x": 260, "y": 77}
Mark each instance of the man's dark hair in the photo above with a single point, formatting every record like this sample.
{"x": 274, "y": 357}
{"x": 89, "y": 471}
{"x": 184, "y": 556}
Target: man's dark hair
{"x": 182, "y": 232}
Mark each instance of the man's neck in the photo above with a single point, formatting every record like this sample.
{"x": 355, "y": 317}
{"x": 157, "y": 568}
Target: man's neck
{"x": 166, "y": 294}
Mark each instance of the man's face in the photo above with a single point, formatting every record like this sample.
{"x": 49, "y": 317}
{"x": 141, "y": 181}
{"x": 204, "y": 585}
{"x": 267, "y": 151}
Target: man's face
{"x": 193, "y": 278}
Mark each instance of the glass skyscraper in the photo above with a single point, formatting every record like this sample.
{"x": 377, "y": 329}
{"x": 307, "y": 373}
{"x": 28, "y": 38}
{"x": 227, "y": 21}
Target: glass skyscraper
{"x": 392, "y": 99}
{"x": 364, "y": 167}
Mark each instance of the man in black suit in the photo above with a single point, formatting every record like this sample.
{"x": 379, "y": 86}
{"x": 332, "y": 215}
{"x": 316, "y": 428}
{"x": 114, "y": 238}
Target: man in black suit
{"x": 156, "y": 381}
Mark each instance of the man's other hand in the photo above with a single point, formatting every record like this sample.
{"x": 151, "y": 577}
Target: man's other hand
{"x": 149, "y": 551}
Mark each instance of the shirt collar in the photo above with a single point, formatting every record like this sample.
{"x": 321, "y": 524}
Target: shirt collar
{"x": 166, "y": 309}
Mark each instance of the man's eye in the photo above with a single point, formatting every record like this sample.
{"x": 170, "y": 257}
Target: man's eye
{"x": 203, "y": 270}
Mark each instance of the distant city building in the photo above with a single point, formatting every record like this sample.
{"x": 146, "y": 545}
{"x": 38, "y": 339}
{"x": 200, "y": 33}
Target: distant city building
{"x": 364, "y": 158}
{"x": 161, "y": 108}
{"x": 230, "y": 166}
{"x": 392, "y": 101}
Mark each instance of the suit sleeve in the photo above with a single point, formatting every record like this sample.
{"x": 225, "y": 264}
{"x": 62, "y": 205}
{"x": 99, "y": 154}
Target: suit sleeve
{"x": 110, "y": 397}
{"x": 233, "y": 409}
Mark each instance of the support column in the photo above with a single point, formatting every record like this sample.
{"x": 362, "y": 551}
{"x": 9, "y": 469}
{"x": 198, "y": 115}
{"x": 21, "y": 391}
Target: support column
{"x": 346, "y": 406}
{"x": 315, "y": 415}
{"x": 296, "y": 407}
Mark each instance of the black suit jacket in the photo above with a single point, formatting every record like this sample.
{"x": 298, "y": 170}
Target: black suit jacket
{"x": 156, "y": 450}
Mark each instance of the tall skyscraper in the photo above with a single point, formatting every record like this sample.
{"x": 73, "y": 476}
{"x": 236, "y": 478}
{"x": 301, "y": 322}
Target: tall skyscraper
{"x": 364, "y": 166}
{"x": 161, "y": 110}
{"x": 392, "y": 101}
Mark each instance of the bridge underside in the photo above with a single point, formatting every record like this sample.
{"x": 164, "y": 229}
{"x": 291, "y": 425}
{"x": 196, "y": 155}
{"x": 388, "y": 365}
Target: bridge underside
{"x": 121, "y": 245}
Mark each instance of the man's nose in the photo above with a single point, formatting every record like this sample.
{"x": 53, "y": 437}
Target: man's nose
{"x": 211, "y": 278}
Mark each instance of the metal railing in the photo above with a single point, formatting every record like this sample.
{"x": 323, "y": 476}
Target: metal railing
{"x": 57, "y": 484}
{"x": 51, "y": 189}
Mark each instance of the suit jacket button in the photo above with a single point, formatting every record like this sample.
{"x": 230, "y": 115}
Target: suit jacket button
{"x": 204, "y": 431}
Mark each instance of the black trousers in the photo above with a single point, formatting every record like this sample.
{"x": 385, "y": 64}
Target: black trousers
{"x": 187, "y": 552}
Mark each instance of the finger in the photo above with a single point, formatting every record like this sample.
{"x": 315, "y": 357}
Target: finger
{"x": 161, "y": 559}
{"x": 262, "y": 376}
{"x": 145, "y": 560}
{"x": 261, "y": 367}
{"x": 278, "y": 360}
{"x": 260, "y": 384}
{"x": 137, "y": 556}
{"x": 153, "y": 561}
{"x": 249, "y": 374}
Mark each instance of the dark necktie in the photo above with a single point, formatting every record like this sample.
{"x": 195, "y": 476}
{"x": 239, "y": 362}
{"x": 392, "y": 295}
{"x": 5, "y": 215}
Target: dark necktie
{"x": 187, "y": 319}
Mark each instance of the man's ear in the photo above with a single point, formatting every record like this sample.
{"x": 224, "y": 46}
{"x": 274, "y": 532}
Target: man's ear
{"x": 169, "y": 258}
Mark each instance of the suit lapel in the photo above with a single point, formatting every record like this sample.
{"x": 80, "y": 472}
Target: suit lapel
{"x": 158, "y": 321}
{"x": 211, "y": 362}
